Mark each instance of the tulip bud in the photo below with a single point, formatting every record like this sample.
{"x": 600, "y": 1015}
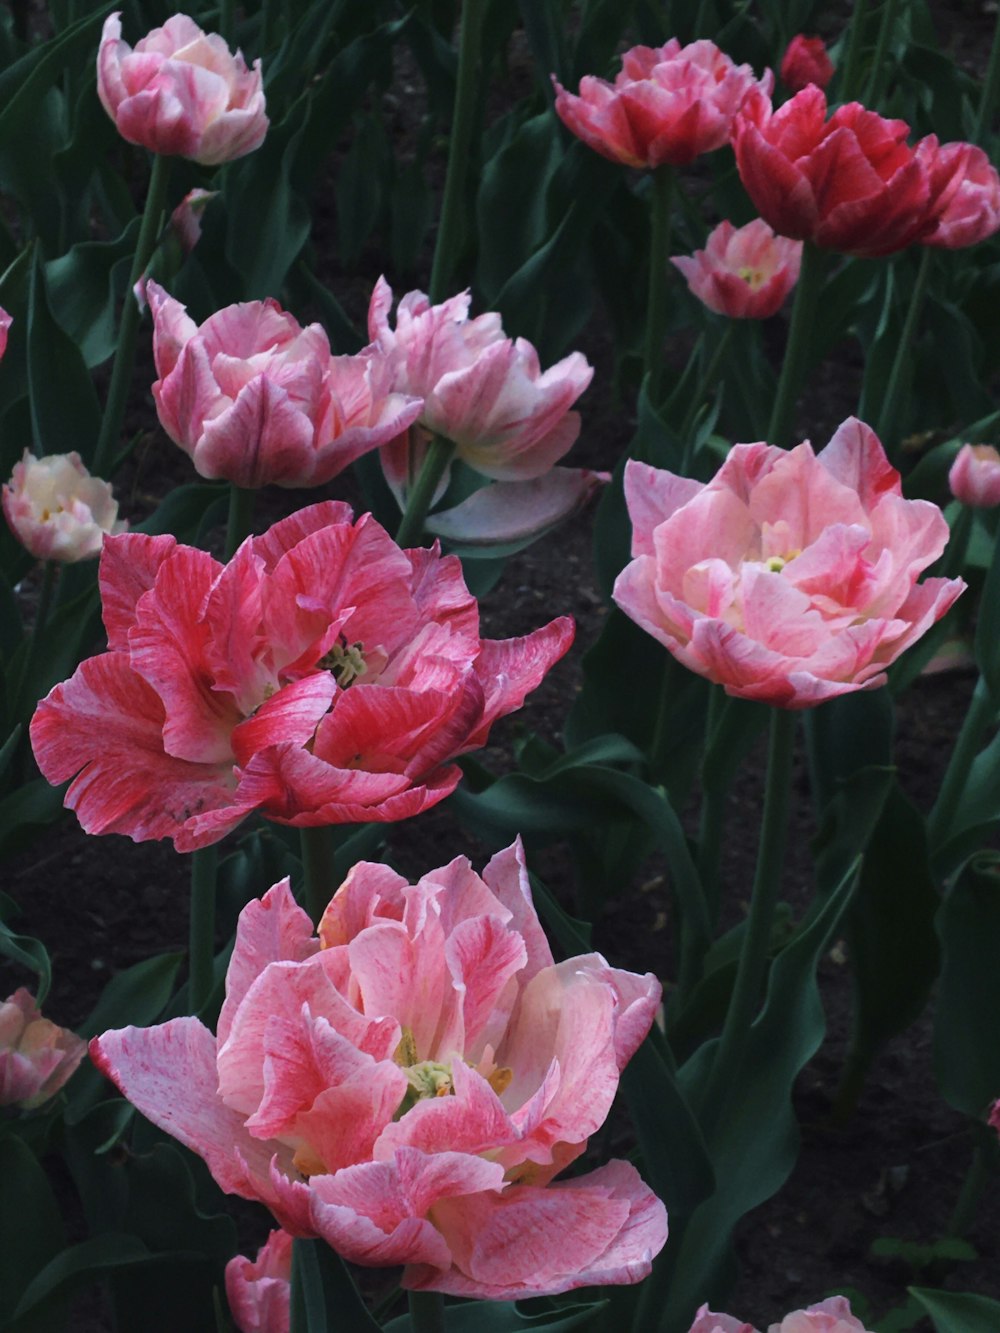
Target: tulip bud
{"x": 804, "y": 62}
{"x": 975, "y": 476}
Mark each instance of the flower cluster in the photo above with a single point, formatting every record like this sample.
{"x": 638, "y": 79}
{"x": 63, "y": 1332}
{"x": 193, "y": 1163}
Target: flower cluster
{"x": 408, "y": 1083}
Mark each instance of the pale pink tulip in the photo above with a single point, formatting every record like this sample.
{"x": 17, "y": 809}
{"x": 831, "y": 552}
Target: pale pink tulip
{"x": 36, "y": 1056}
{"x": 829, "y": 1316}
{"x": 186, "y": 217}
{"x": 259, "y": 1292}
{"x": 323, "y": 676}
{"x": 789, "y": 577}
{"x": 181, "y": 92}
{"x": 483, "y": 391}
{"x": 5, "y": 322}
{"x": 408, "y": 1085}
{"x": 57, "y": 510}
{"x": 255, "y": 399}
{"x": 668, "y": 105}
{"x": 974, "y": 211}
{"x": 743, "y": 272}
{"x": 707, "y": 1321}
{"x": 974, "y": 477}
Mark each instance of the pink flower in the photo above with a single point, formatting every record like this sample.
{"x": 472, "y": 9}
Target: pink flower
{"x": 829, "y": 1316}
{"x": 323, "y": 676}
{"x": 408, "y": 1085}
{"x": 181, "y": 92}
{"x": 974, "y": 210}
{"x": 994, "y": 1118}
{"x": 186, "y": 217}
{"x": 707, "y": 1321}
{"x": 850, "y": 183}
{"x": 57, "y": 510}
{"x": 5, "y": 322}
{"x": 975, "y": 476}
{"x": 804, "y": 62}
{"x": 259, "y": 1292}
{"x": 744, "y": 272}
{"x": 252, "y": 397}
{"x": 789, "y": 577}
{"x": 36, "y": 1056}
{"x": 483, "y": 391}
{"x": 669, "y": 104}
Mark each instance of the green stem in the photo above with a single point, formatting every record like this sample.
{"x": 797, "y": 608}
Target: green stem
{"x": 656, "y": 299}
{"x": 852, "y": 1082}
{"x": 201, "y": 926}
{"x": 793, "y": 367}
{"x": 713, "y": 812}
{"x": 121, "y": 373}
{"x": 426, "y": 1312}
{"x": 876, "y": 78}
{"x": 319, "y": 868}
{"x": 852, "y": 65}
{"x": 411, "y": 528}
{"x": 757, "y": 936}
{"x": 50, "y": 571}
{"x": 973, "y": 1187}
{"x": 991, "y": 86}
{"x": 886, "y": 424}
{"x": 981, "y": 713}
{"x": 239, "y": 522}
{"x": 450, "y": 226}
{"x": 704, "y": 388}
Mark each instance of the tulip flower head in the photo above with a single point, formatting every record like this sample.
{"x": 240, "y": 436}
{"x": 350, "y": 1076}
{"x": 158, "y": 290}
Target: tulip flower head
{"x": 667, "y": 106}
{"x": 185, "y": 220}
{"x": 36, "y": 1056}
{"x": 805, "y": 61}
{"x": 408, "y": 1085}
{"x": 707, "y": 1321}
{"x": 260, "y": 1292}
{"x": 254, "y": 398}
{"x": 57, "y": 510}
{"x": 482, "y": 390}
{"x": 852, "y": 183}
{"x": 5, "y": 323}
{"x": 323, "y": 676}
{"x": 974, "y": 211}
{"x": 829, "y": 1316}
{"x": 181, "y": 92}
{"x": 789, "y": 577}
{"x": 743, "y": 272}
{"x": 974, "y": 477}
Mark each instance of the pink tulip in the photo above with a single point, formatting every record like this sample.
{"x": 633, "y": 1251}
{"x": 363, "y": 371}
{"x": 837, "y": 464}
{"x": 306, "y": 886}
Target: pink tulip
{"x": 707, "y": 1321}
{"x": 57, "y": 510}
{"x": 830, "y": 1316}
{"x": 181, "y": 92}
{"x": 254, "y": 398}
{"x": 668, "y": 105}
{"x": 5, "y": 322}
{"x": 408, "y": 1085}
{"x": 974, "y": 210}
{"x": 975, "y": 476}
{"x": 259, "y": 1292}
{"x": 805, "y": 61}
{"x": 994, "y": 1119}
{"x": 483, "y": 391}
{"x": 789, "y": 577}
{"x": 744, "y": 272}
{"x": 36, "y": 1056}
{"x": 323, "y": 676}
{"x": 186, "y": 217}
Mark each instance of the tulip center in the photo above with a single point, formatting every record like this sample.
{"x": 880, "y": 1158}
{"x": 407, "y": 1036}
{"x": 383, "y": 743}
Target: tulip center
{"x": 753, "y": 277}
{"x": 776, "y": 563}
{"x": 345, "y": 662}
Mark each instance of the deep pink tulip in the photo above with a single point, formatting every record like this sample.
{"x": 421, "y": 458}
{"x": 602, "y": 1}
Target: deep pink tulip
{"x": 974, "y": 210}
{"x": 974, "y": 477}
{"x": 36, "y": 1056}
{"x": 668, "y": 105}
{"x": 254, "y": 398}
{"x": 57, "y": 510}
{"x": 323, "y": 676}
{"x": 181, "y": 92}
{"x": 259, "y": 1292}
{"x": 5, "y": 323}
{"x": 805, "y": 61}
{"x": 850, "y": 183}
{"x": 408, "y": 1085}
{"x": 789, "y": 577}
{"x": 482, "y": 390}
{"x": 743, "y": 272}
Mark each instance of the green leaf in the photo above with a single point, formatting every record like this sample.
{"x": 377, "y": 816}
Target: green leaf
{"x": 77, "y": 1266}
{"x": 26, "y": 809}
{"x": 182, "y": 512}
{"x": 953, "y": 1312}
{"x": 71, "y": 418}
{"x": 31, "y": 1230}
{"x": 323, "y": 1292}
{"x": 360, "y": 187}
{"x": 29, "y": 953}
{"x": 85, "y": 286}
{"x": 23, "y": 84}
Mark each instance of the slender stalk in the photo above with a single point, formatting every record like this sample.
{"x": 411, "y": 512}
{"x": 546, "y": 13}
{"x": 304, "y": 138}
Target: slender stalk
{"x": 893, "y": 392}
{"x": 121, "y": 372}
{"x": 991, "y": 86}
{"x": 426, "y": 1312}
{"x": 876, "y": 78}
{"x": 201, "y": 926}
{"x": 757, "y": 937}
{"x": 852, "y": 65}
{"x": 793, "y": 367}
{"x": 450, "y": 226}
{"x": 50, "y": 571}
{"x": 656, "y": 298}
{"x": 318, "y": 865}
{"x": 713, "y": 812}
{"x": 240, "y": 520}
{"x": 411, "y": 528}
{"x": 704, "y": 388}
{"x": 852, "y": 1082}
{"x": 981, "y": 713}
{"x": 974, "y": 1185}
